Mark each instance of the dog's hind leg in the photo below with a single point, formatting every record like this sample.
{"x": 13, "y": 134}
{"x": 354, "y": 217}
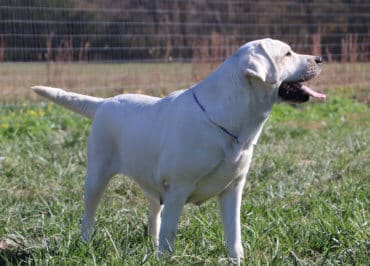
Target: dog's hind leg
{"x": 95, "y": 185}
{"x": 99, "y": 171}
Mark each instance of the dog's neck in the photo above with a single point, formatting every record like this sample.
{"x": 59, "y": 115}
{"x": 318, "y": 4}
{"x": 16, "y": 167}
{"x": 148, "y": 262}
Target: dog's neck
{"x": 235, "y": 103}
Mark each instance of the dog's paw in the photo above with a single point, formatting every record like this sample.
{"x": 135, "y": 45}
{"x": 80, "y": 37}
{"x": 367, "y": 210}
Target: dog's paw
{"x": 86, "y": 235}
{"x": 165, "y": 250}
{"x": 87, "y": 231}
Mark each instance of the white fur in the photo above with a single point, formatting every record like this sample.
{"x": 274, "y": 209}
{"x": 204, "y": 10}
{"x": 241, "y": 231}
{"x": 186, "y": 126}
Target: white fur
{"x": 171, "y": 148}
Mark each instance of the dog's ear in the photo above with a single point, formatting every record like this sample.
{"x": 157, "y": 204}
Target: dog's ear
{"x": 260, "y": 65}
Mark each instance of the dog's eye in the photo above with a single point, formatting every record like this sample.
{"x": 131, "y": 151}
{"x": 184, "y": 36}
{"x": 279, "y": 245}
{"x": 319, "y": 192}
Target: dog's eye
{"x": 288, "y": 54}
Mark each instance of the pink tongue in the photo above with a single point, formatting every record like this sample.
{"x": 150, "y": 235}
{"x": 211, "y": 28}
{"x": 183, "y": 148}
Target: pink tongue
{"x": 313, "y": 93}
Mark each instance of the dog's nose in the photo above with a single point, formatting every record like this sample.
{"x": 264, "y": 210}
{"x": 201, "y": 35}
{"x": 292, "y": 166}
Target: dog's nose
{"x": 318, "y": 59}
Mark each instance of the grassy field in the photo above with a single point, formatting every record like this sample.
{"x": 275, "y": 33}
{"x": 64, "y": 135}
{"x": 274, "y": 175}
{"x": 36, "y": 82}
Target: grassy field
{"x": 306, "y": 201}
{"x": 159, "y": 78}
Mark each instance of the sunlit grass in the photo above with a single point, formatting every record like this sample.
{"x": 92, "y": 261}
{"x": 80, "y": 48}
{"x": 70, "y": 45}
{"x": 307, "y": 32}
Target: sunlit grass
{"x": 158, "y": 78}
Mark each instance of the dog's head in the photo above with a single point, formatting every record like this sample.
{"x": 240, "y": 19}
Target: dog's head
{"x": 274, "y": 63}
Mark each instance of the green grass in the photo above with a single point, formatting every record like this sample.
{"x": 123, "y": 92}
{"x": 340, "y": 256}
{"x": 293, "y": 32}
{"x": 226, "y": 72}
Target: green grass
{"x": 306, "y": 201}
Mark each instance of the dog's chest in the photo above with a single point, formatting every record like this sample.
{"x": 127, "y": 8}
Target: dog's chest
{"x": 221, "y": 177}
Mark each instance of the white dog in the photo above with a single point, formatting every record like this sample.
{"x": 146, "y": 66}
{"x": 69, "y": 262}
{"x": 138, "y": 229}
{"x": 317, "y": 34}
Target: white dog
{"x": 193, "y": 144}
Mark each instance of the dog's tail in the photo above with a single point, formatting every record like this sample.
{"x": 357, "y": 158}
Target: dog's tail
{"x": 82, "y": 104}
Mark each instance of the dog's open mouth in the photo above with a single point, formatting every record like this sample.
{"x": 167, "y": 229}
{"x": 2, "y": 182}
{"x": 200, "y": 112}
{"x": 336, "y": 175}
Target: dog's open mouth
{"x": 296, "y": 92}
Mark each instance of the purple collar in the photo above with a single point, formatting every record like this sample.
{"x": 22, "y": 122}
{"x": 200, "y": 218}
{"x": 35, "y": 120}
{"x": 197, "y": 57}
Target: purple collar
{"x": 236, "y": 139}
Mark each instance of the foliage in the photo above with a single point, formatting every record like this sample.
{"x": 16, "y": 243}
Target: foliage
{"x": 98, "y": 30}
{"x": 306, "y": 200}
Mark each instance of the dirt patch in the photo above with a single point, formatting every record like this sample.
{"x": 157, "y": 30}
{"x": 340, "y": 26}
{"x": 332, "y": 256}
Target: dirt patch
{"x": 312, "y": 125}
{"x": 362, "y": 94}
{"x": 14, "y": 252}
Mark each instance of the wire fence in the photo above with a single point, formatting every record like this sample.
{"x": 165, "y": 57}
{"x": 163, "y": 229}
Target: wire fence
{"x": 177, "y": 31}
{"x": 124, "y": 31}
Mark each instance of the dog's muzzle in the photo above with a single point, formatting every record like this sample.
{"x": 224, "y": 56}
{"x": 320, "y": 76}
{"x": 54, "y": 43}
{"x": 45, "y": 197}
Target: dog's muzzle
{"x": 296, "y": 92}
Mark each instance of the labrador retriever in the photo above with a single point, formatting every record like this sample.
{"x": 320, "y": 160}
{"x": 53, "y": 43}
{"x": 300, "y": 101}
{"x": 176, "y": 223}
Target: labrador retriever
{"x": 193, "y": 144}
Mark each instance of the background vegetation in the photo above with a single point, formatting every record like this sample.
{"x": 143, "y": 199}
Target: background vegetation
{"x": 205, "y": 30}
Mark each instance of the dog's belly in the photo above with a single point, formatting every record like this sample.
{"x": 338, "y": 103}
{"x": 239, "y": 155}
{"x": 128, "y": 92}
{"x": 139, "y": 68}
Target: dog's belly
{"x": 220, "y": 178}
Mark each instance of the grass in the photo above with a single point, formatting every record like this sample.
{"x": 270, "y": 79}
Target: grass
{"x": 158, "y": 78}
{"x": 306, "y": 201}
{"x": 16, "y": 78}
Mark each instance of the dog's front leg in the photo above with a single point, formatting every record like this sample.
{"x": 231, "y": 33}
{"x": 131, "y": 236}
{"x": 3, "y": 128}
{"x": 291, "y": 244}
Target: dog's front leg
{"x": 230, "y": 201}
{"x": 174, "y": 201}
{"x": 154, "y": 220}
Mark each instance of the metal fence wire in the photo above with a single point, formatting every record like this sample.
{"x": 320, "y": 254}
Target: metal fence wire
{"x": 159, "y": 46}
{"x": 178, "y": 30}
